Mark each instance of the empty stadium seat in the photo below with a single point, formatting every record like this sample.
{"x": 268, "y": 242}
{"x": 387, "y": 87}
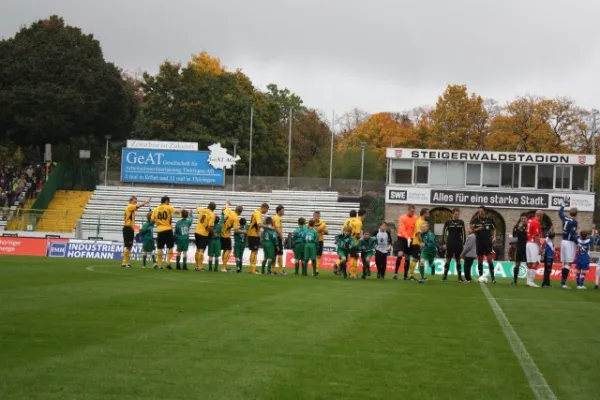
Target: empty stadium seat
{"x": 103, "y": 216}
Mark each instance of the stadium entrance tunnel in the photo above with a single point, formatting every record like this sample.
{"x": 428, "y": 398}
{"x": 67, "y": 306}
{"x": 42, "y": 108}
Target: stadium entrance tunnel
{"x": 546, "y": 222}
{"x": 500, "y": 244}
{"x": 437, "y": 218}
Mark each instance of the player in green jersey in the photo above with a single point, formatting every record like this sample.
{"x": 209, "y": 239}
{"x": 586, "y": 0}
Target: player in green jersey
{"x": 311, "y": 238}
{"x": 148, "y": 241}
{"x": 182, "y": 237}
{"x": 298, "y": 239}
{"x": 270, "y": 242}
{"x": 214, "y": 245}
{"x": 428, "y": 250}
{"x": 239, "y": 239}
{"x": 345, "y": 244}
{"x": 366, "y": 246}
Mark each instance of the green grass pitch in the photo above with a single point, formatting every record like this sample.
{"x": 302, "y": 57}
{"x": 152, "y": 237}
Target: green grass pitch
{"x": 84, "y": 329}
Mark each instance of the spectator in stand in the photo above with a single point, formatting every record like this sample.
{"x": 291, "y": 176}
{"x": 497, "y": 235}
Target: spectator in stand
{"x": 17, "y": 185}
{"x": 3, "y": 198}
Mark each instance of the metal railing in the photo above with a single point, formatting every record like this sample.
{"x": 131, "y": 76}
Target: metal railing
{"x": 40, "y": 220}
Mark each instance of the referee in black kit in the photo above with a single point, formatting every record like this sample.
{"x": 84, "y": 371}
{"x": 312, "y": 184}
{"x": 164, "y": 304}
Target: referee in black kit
{"x": 454, "y": 239}
{"x": 485, "y": 232}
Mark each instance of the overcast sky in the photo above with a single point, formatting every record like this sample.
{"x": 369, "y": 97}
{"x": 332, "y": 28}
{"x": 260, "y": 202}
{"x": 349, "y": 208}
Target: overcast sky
{"x": 378, "y": 55}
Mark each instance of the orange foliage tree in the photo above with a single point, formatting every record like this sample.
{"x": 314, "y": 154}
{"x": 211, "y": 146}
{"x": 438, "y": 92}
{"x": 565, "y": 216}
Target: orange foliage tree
{"x": 524, "y": 127}
{"x": 459, "y": 120}
{"x": 205, "y": 63}
{"x": 381, "y": 131}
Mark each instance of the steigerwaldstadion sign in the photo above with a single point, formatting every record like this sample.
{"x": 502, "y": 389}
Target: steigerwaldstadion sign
{"x": 490, "y": 156}
{"x": 419, "y": 180}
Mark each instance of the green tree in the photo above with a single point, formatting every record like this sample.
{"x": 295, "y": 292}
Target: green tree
{"x": 56, "y": 87}
{"x": 347, "y": 165}
{"x": 203, "y": 102}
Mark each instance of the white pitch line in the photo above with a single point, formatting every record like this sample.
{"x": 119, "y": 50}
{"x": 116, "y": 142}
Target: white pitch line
{"x": 536, "y": 380}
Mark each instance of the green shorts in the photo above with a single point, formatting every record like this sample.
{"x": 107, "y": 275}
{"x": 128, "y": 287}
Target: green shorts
{"x": 367, "y": 255}
{"x": 310, "y": 251}
{"x": 214, "y": 248}
{"x": 269, "y": 250}
{"x": 183, "y": 244}
{"x": 429, "y": 257}
{"x": 148, "y": 246}
{"x": 238, "y": 249}
{"x": 299, "y": 252}
{"x": 342, "y": 253}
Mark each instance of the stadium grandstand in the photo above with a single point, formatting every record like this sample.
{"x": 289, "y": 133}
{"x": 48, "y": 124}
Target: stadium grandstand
{"x": 19, "y": 186}
{"x": 103, "y": 215}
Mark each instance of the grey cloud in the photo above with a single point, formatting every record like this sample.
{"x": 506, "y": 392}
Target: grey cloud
{"x": 377, "y": 54}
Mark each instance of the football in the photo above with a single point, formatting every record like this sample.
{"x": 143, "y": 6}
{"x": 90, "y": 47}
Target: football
{"x": 482, "y": 279}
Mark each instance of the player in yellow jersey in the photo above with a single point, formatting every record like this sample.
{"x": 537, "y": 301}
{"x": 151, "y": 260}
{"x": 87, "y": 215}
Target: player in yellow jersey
{"x": 254, "y": 234}
{"x": 232, "y": 221}
{"x": 162, "y": 217}
{"x": 357, "y": 230}
{"x": 128, "y": 228}
{"x": 204, "y": 229}
{"x": 321, "y": 228}
{"x": 356, "y": 223}
{"x": 278, "y": 225}
{"x": 415, "y": 246}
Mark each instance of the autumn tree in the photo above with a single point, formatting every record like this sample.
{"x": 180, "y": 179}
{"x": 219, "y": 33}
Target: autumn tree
{"x": 459, "y": 120}
{"x": 349, "y": 121}
{"x": 563, "y": 116}
{"x": 381, "y": 131}
{"x": 586, "y": 131}
{"x": 523, "y": 127}
{"x": 206, "y": 64}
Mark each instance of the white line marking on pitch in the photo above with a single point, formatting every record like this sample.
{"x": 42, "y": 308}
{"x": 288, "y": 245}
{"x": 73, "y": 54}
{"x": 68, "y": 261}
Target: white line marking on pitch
{"x": 536, "y": 380}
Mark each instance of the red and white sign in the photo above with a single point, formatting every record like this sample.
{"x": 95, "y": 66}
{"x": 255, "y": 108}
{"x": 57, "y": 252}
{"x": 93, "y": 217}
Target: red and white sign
{"x": 18, "y": 246}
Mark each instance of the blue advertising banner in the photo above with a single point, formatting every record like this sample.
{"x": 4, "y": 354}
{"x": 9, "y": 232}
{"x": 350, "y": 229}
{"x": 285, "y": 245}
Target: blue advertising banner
{"x": 170, "y": 166}
{"x": 92, "y": 250}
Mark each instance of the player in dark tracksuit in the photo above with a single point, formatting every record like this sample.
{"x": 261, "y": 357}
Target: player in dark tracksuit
{"x": 454, "y": 239}
{"x": 520, "y": 233}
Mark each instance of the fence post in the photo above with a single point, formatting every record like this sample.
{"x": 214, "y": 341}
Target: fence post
{"x": 98, "y": 227}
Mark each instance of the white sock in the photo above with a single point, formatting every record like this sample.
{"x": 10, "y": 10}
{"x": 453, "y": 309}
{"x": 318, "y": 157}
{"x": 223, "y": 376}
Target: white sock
{"x": 531, "y": 276}
{"x": 597, "y": 275}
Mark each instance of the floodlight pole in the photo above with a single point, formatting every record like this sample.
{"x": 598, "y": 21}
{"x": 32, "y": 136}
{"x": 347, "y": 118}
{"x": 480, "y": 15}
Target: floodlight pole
{"x": 363, "y": 146}
{"x": 107, "y": 137}
{"x": 235, "y": 143}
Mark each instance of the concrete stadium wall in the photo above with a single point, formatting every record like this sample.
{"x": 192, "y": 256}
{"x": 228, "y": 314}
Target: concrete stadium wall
{"x": 268, "y": 183}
